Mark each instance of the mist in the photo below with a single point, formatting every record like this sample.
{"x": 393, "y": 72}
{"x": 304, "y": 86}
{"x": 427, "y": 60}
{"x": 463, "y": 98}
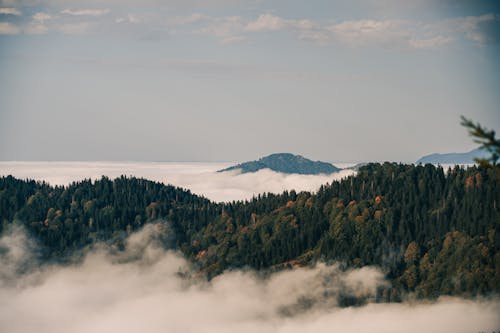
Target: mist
{"x": 148, "y": 287}
{"x": 200, "y": 178}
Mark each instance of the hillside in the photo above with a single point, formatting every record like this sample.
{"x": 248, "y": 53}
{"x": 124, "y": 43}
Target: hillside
{"x": 432, "y": 233}
{"x": 286, "y": 163}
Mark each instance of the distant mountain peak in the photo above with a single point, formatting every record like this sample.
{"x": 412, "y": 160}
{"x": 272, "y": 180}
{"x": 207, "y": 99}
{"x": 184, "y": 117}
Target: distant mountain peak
{"x": 286, "y": 163}
{"x": 453, "y": 158}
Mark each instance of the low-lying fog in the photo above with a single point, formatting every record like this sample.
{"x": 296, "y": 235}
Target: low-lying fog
{"x": 149, "y": 289}
{"x": 200, "y": 178}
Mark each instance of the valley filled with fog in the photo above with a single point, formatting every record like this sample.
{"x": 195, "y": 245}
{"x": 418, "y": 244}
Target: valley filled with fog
{"x": 147, "y": 287}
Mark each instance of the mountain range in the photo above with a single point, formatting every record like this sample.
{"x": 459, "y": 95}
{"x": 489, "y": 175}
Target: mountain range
{"x": 453, "y": 158}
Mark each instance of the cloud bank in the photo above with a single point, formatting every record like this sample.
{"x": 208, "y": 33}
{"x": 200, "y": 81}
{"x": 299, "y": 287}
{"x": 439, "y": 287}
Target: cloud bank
{"x": 148, "y": 288}
{"x": 200, "y": 178}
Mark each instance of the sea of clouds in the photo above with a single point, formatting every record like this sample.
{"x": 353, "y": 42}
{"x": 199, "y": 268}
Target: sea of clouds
{"x": 200, "y": 178}
{"x": 151, "y": 289}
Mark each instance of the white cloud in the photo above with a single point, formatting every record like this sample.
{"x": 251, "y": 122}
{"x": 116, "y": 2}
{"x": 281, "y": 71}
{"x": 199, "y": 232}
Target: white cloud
{"x": 266, "y": 22}
{"x": 41, "y": 17}
{"x": 16, "y": 251}
{"x": 305, "y": 28}
{"x": 389, "y": 33}
{"x": 371, "y": 32}
{"x": 430, "y": 43}
{"x": 364, "y": 27}
{"x": 148, "y": 287}
{"x": 10, "y": 11}
{"x": 359, "y": 33}
{"x": 406, "y": 34}
{"x": 131, "y": 18}
{"x": 230, "y": 29}
{"x": 226, "y": 29}
{"x": 86, "y": 12}
{"x": 7, "y": 28}
{"x": 38, "y": 25}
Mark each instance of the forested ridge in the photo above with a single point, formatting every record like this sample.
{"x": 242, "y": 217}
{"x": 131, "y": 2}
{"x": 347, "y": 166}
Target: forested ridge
{"x": 432, "y": 232}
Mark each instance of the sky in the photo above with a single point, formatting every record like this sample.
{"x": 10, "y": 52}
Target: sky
{"x": 220, "y": 80}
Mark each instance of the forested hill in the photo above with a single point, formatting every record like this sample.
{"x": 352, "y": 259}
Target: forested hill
{"x": 432, "y": 232}
{"x": 286, "y": 163}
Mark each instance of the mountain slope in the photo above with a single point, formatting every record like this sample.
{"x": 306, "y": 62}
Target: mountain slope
{"x": 432, "y": 233}
{"x": 286, "y": 163}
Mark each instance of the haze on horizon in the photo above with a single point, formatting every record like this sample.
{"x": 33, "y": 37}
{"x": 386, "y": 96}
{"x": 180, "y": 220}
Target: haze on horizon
{"x": 219, "y": 80}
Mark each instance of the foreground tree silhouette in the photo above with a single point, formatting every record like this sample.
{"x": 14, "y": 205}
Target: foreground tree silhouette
{"x": 486, "y": 138}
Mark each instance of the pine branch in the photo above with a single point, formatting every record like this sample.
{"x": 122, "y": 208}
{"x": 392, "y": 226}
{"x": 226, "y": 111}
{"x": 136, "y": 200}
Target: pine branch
{"x": 486, "y": 138}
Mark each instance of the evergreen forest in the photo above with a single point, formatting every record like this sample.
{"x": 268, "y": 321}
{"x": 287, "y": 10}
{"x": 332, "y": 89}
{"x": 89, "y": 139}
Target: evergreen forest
{"x": 431, "y": 231}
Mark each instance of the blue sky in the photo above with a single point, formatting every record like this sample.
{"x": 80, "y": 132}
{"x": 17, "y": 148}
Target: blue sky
{"x": 220, "y": 80}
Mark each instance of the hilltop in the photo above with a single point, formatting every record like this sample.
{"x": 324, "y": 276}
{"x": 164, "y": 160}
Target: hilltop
{"x": 286, "y": 163}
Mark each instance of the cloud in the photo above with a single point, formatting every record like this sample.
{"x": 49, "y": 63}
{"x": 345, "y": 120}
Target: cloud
{"x": 270, "y": 22}
{"x": 430, "y": 43}
{"x": 200, "y": 178}
{"x": 10, "y": 11}
{"x": 266, "y": 22}
{"x": 130, "y": 18}
{"x": 390, "y": 33}
{"x": 86, "y": 12}
{"x": 7, "y": 28}
{"x": 226, "y": 29}
{"x": 148, "y": 286}
{"x": 407, "y": 34}
{"x": 41, "y": 17}
{"x": 17, "y": 254}
{"x": 320, "y": 37}
{"x": 371, "y": 32}
{"x": 481, "y": 29}
{"x": 234, "y": 28}
{"x": 38, "y": 24}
